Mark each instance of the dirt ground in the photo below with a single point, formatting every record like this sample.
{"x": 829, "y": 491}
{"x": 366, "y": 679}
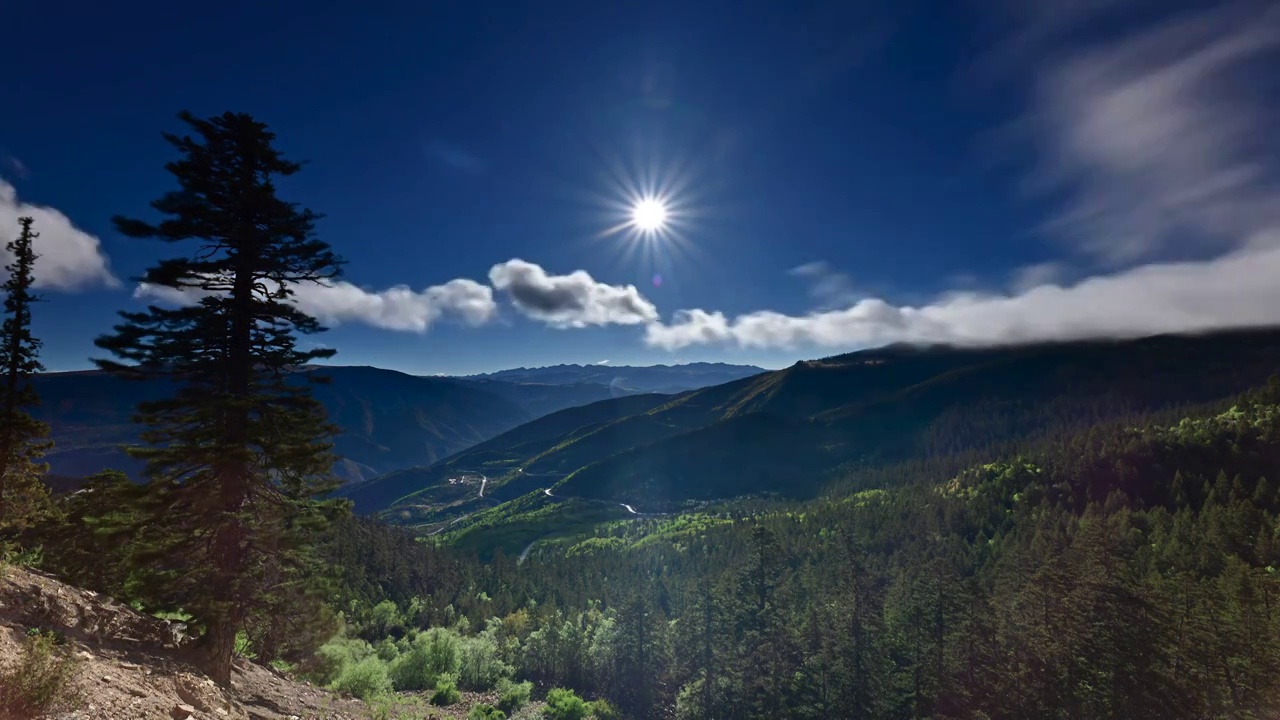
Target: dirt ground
{"x": 129, "y": 666}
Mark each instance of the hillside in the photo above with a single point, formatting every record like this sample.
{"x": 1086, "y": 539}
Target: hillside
{"x": 667, "y": 379}
{"x": 389, "y": 419}
{"x": 788, "y": 431}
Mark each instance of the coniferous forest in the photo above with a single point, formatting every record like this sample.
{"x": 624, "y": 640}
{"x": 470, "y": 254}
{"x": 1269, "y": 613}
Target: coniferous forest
{"x": 1123, "y": 565}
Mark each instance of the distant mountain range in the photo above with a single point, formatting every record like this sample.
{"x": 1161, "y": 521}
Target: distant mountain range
{"x": 792, "y": 430}
{"x": 651, "y": 379}
{"x": 390, "y": 420}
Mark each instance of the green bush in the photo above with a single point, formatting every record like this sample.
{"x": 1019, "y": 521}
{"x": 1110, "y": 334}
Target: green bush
{"x": 564, "y": 704}
{"x": 364, "y": 679}
{"x": 41, "y": 683}
{"x": 602, "y": 709}
{"x": 430, "y": 655}
{"x": 334, "y": 656}
{"x": 513, "y": 695}
{"x": 485, "y": 712}
{"x": 479, "y": 667}
{"x": 446, "y": 692}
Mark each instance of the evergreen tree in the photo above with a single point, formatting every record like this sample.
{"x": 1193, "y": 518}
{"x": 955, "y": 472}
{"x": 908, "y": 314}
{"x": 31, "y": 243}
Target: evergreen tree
{"x": 22, "y": 489}
{"x": 239, "y": 452}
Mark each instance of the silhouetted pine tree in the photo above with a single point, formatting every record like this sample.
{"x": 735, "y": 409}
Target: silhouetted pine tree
{"x": 240, "y": 451}
{"x": 22, "y": 489}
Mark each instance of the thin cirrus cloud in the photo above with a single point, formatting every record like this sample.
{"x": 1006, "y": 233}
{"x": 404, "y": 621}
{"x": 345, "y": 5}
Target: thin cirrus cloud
{"x": 69, "y": 258}
{"x": 1155, "y": 146}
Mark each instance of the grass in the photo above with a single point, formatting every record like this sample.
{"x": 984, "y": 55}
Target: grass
{"x": 41, "y": 683}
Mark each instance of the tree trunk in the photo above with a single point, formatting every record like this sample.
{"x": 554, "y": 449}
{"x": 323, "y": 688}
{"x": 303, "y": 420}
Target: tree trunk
{"x": 218, "y": 649}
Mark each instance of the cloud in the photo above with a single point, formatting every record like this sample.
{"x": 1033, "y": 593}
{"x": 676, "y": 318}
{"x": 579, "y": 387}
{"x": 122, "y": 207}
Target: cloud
{"x": 1157, "y": 142}
{"x": 17, "y": 167}
{"x": 574, "y": 300}
{"x": 396, "y": 308}
{"x": 1236, "y": 290}
{"x": 829, "y": 287}
{"x": 70, "y": 259}
{"x": 399, "y": 307}
{"x": 456, "y": 158}
{"x": 603, "y": 362}
{"x": 1033, "y": 276}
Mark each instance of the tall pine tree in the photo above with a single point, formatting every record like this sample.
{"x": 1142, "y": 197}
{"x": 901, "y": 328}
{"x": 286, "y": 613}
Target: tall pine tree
{"x": 22, "y": 489}
{"x": 240, "y": 452}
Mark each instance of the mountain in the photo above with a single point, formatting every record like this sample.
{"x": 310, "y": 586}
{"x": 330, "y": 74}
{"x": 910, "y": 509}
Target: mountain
{"x": 389, "y": 419}
{"x": 652, "y": 379}
{"x": 791, "y": 430}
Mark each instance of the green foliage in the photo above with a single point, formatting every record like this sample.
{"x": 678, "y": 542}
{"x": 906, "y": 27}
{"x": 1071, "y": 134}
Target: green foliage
{"x": 485, "y": 712}
{"x": 23, "y": 494}
{"x": 564, "y": 704}
{"x": 601, "y": 709}
{"x": 364, "y": 679}
{"x": 40, "y": 683}
{"x": 479, "y": 667}
{"x": 446, "y": 692}
{"x": 513, "y": 695}
{"x": 430, "y": 655}
{"x": 237, "y": 455}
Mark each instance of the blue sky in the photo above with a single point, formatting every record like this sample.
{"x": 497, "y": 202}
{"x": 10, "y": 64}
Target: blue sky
{"x": 839, "y": 174}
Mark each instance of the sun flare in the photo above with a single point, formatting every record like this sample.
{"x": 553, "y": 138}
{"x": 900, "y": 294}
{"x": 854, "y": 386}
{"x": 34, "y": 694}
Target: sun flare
{"x": 649, "y": 215}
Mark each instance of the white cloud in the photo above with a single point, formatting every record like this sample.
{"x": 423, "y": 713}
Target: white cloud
{"x": 396, "y": 308}
{"x": 573, "y": 300}
{"x": 399, "y": 307}
{"x": 70, "y": 259}
{"x": 1236, "y": 290}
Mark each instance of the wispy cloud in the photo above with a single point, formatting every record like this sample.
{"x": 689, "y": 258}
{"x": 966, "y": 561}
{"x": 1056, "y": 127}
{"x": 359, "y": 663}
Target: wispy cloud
{"x": 1159, "y": 149}
{"x": 828, "y": 287}
{"x": 1158, "y": 142}
{"x": 69, "y": 258}
{"x": 454, "y": 157}
{"x": 15, "y": 167}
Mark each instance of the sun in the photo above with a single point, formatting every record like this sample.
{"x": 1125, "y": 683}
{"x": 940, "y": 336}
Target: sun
{"x": 649, "y": 215}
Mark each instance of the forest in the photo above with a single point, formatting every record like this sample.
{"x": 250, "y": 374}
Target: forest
{"x": 1124, "y": 569}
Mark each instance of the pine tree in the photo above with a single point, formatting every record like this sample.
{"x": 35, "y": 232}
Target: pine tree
{"x": 240, "y": 452}
{"x": 22, "y": 490}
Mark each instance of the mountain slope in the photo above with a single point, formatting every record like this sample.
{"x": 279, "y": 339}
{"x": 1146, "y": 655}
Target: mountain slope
{"x": 651, "y": 379}
{"x": 389, "y": 419}
{"x": 788, "y": 431}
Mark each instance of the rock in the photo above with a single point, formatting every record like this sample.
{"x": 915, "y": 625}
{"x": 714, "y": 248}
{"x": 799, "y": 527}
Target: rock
{"x": 181, "y": 712}
{"x": 192, "y": 694}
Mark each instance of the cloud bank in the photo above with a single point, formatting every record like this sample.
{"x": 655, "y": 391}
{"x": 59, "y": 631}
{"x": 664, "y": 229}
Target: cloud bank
{"x": 70, "y": 259}
{"x": 396, "y": 308}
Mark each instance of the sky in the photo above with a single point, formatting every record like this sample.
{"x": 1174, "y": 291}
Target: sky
{"x": 834, "y": 176}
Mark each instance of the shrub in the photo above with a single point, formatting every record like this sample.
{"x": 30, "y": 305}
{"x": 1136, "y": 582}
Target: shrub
{"x": 512, "y": 695}
{"x": 479, "y": 667}
{"x": 41, "y": 683}
{"x": 602, "y": 709}
{"x": 485, "y": 712}
{"x": 333, "y": 657}
{"x": 364, "y": 679}
{"x": 430, "y": 655}
{"x": 564, "y": 705}
{"x": 446, "y": 691}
